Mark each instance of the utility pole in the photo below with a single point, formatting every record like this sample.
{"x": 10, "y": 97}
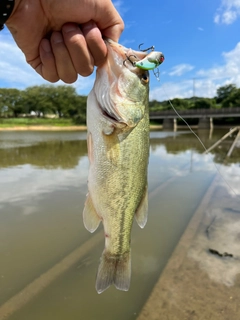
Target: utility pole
{"x": 194, "y": 89}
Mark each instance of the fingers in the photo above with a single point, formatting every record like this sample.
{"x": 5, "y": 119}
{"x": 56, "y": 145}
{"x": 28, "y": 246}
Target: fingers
{"x": 64, "y": 65}
{"x": 77, "y": 46}
{"x": 85, "y": 46}
{"x": 47, "y": 68}
{"x": 71, "y": 52}
{"x": 56, "y": 61}
{"x": 95, "y": 43}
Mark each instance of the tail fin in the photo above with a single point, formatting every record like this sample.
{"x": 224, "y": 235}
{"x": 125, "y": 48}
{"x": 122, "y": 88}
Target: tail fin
{"x": 114, "y": 269}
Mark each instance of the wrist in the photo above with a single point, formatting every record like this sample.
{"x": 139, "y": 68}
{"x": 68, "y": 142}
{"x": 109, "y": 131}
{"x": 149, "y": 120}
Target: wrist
{"x": 6, "y": 8}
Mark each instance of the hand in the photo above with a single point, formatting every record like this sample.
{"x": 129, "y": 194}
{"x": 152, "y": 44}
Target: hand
{"x": 71, "y": 49}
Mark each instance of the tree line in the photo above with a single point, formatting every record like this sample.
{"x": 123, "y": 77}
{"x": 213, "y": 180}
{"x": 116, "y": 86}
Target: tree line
{"x": 63, "y": 101}
{"x": 227, "y": 97}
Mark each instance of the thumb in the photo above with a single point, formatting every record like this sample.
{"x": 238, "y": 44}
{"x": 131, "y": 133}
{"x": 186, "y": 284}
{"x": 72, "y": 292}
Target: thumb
{"x": 113, "y": 32}
{"x": 109, "y": 21}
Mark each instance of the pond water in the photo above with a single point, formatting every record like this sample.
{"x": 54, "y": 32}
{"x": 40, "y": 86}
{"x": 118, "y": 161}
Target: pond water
{"x": 48, "y": 261}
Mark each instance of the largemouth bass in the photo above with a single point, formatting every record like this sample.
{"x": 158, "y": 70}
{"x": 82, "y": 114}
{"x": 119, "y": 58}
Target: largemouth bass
{"x": 118, "y": 151}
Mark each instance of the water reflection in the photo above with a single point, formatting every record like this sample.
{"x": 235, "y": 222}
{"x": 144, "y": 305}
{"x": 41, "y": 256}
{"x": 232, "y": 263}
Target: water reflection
{"x": 43, "y": 180}
{"x": 49, "y": 155}
{"x": 25, "y": 182}
{"x": 59, "y": 150}
{"x": 54, "y": 152}
{"x": 177, "y": 142}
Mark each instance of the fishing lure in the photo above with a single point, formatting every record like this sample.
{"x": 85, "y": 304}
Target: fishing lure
{"x": 151, "y": 61}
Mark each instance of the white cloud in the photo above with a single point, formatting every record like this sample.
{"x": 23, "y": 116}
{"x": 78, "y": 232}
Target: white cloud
{"x": 217, "y": 18}
{"x": 13, "y": 66}
{"x": 228, "y": 12}
{"x": 230, "y": 70}
{"x": 180, "y": 69}
{"x": 200, "y": 29}
{"x": 229, "y": 17}
{"x": 206, "y": 80}
{"x": 172, "y": 90}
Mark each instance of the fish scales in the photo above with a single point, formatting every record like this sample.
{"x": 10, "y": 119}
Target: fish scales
{"x": 118, "y": 150}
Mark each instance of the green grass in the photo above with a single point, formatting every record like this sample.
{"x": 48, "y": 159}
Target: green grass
{"x": 14, "y": 122}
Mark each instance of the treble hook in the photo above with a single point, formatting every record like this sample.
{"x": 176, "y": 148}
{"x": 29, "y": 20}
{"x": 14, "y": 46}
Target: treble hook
{"x": 151, "y": 48}
{"x": 128, "y": 59}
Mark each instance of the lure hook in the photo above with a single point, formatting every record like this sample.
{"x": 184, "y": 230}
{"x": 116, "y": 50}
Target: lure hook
{"x": 156, "y": 72}
{"x": 128, "y": 59}
{"x": 151, "y": 48}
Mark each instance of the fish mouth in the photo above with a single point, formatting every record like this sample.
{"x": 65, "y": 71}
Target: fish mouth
{"x": 109, "y": 89}
{"x": 123, "y": 57}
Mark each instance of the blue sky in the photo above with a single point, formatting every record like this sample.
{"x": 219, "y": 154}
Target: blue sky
{"x": 200, "y": 40}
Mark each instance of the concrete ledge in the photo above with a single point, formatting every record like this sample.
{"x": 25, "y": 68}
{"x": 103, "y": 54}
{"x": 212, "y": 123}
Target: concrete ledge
{"x": 197, "y": 284}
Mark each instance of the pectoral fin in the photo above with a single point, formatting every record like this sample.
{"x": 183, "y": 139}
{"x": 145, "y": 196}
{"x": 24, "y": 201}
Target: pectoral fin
{"x": 91, "y": 219}
{"x": 142, "y": 210}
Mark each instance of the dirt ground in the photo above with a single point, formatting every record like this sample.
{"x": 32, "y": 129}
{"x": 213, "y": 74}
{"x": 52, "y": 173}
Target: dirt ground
{"x": 202, "y": 278}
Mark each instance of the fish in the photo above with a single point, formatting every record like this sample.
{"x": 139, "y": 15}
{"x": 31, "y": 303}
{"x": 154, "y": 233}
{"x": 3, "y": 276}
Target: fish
{"x": 118, "y": 152}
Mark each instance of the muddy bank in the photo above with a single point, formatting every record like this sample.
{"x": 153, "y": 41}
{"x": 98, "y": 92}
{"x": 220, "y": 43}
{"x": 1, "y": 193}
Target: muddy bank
{"x": 56, "y": 128}
{"x": 44, "y": 128}
{"x": 84, "y": 128}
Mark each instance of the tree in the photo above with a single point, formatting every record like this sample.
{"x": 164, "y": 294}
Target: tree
{"x": 155, "y": 105}
{"x": 51, "y": 99}
{"x": 224, "y": 91}
{"x": 11, "y": 100}
{"x": 204, "y": 103}
{"x": 77, "y": 111}
{"x": 179, "y": 104}
{"x": 61, "y": 99}
{"x": 36, "y": 99}
{"x": 233, "y": 100}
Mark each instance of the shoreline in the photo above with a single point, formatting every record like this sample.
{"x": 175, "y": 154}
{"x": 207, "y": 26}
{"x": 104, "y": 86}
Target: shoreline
{"x": 84, "y": 128}
{"x": 56, "y": 128}
{"x": 44, "y": 128}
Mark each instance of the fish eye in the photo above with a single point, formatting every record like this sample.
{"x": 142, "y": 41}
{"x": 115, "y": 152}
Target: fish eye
{"x": 145, "y": 78}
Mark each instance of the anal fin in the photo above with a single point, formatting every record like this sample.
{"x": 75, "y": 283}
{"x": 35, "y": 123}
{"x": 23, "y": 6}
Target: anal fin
{"x": 141, "y": 214}
{"x": 91, "y": 219}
